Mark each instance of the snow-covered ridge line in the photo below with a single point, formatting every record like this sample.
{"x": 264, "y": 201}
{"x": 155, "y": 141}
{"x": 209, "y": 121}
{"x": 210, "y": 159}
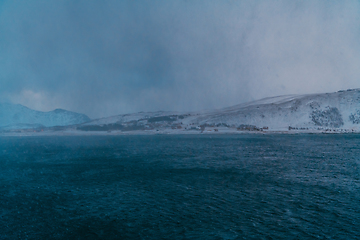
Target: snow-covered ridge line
{"x": 326, "y": 112}
{"x": 16, "y": 116}
{"x": 336, "y": 112}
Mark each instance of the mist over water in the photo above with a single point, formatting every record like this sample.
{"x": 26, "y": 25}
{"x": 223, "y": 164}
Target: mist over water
{"x": 174, "y": 187}
{"x": 111, "y": 57}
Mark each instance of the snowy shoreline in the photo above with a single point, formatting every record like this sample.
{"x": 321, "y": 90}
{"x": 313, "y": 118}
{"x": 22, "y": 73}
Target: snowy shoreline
{"x": 169, "y": 132}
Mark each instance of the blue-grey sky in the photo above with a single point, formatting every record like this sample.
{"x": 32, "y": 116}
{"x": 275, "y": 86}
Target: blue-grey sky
{"x": 104, "y": 58}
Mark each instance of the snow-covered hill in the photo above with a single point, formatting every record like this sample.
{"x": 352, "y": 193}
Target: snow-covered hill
{"x": 339, "y": 111}
{"x": 329, "y": 112}
{"x": 16, "y": 116}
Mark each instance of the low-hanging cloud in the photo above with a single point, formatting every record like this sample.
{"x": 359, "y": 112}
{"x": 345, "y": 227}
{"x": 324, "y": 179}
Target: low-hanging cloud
{"x": 109, "y": 57}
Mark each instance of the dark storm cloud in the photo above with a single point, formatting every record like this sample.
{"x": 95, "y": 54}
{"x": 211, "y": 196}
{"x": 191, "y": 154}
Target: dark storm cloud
{"x": 109, "y": 57}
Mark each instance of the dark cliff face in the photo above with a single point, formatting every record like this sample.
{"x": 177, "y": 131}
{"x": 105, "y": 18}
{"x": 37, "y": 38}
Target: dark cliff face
{"x": 355, "y": 117}
{"x": 330, "y": 117}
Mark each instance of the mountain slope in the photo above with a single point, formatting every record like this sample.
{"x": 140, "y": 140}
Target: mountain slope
{"x": 19, "y": 116}
{"x": 338, "y": 110}
{"x": 330, "y": 110}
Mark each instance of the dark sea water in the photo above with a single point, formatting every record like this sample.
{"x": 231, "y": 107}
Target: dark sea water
{"x": 180, "y": 187}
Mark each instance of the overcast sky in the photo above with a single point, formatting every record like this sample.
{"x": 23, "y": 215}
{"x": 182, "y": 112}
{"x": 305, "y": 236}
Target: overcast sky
{"x": 104, "y": 58}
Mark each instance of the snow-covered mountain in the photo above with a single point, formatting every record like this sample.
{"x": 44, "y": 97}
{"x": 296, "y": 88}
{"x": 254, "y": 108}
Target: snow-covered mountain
{"x": 338, "y": 111}
{"x": 335, "y": 112}
{"x": 16, "y": 116}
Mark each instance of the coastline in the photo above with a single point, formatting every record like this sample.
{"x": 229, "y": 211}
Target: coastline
{"x": 170, "y": 132}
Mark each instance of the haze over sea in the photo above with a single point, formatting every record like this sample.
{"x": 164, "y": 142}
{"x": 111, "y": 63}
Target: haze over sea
{"x": 180, "y": 187}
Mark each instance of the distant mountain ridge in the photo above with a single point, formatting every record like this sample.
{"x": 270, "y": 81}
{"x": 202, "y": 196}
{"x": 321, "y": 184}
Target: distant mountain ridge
{"x": 17, "y": 116}
{"x": 323, "y": 112}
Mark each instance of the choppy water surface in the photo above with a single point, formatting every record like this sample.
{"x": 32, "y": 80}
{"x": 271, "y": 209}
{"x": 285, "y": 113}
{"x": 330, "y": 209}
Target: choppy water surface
{"x": 180, "y": 187}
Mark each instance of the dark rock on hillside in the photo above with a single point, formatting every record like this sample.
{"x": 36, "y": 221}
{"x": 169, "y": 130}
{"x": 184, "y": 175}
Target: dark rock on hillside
{"x": 330, "y": 117}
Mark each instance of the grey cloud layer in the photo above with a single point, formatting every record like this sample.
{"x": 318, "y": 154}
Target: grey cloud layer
{"x": 109, "y": 57}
